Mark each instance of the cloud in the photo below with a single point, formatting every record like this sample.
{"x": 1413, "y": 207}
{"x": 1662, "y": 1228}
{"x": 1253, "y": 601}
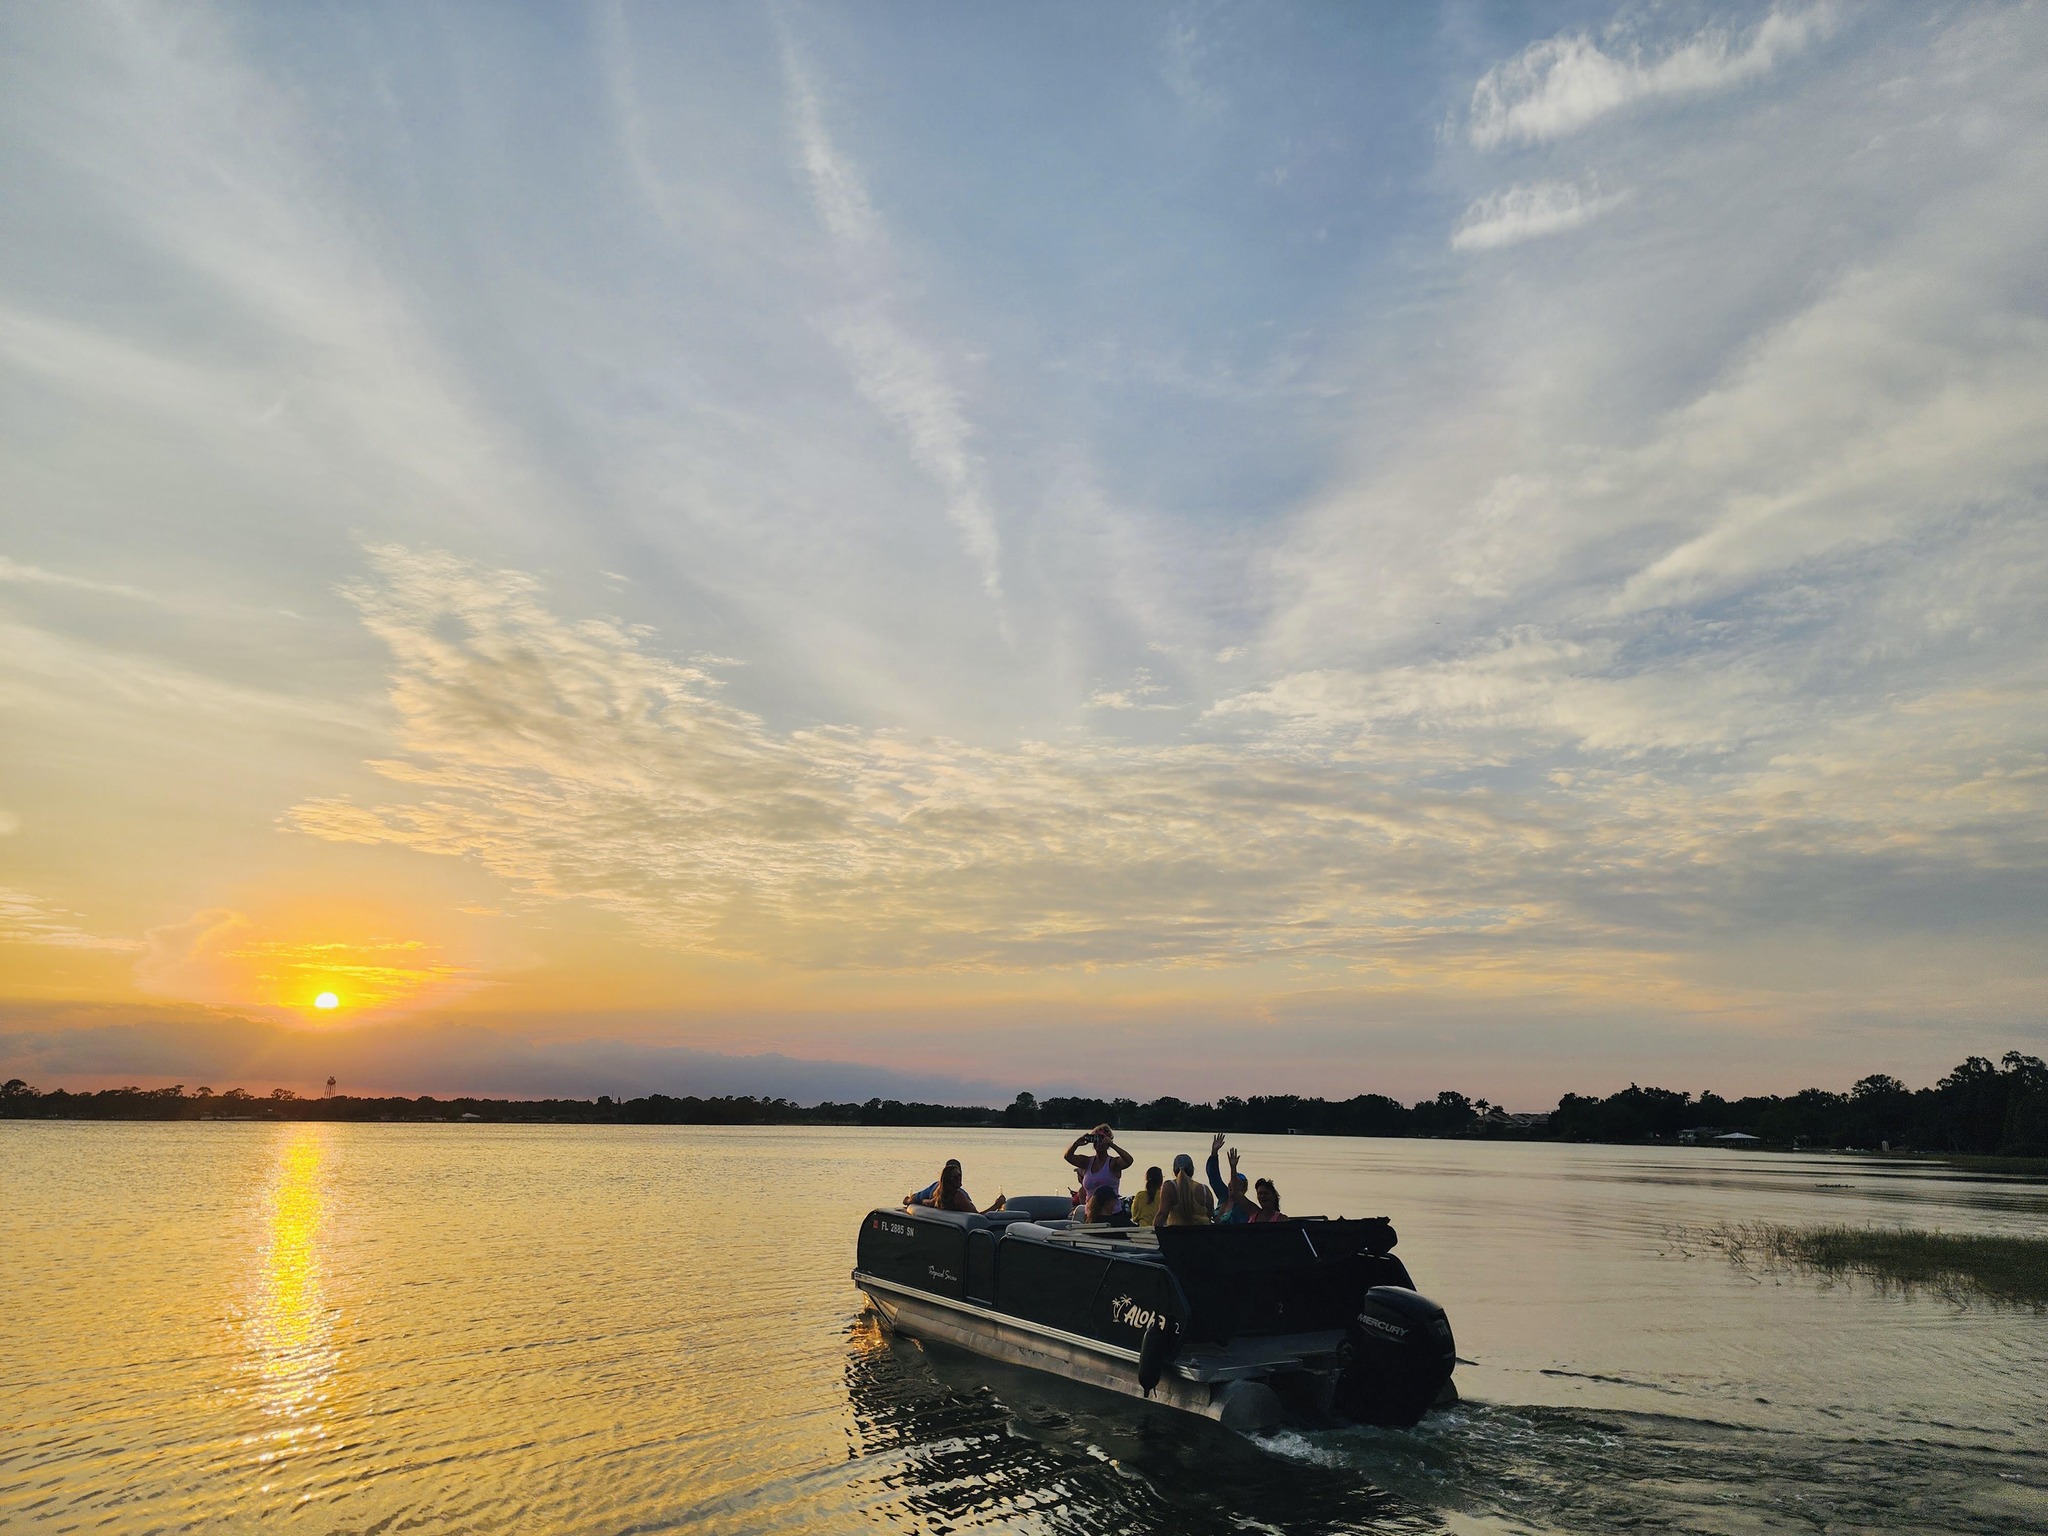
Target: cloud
{"x": 1699, "y": 442}
{"x": 1519, "y": 213}
{"x": 1188, "y": 59}
{"x": 13, "y": 571}
{"x": 1560, "y": 85}
{"x": 904, "y": 379}
{"x": 186, "y": 957}
{"x": 26, "y": 919}
{"x": 567, "y": 758}
{"x": 1891, "y": 402}
{"x": 1721, "y": 561}
{"x": 281, "y": 343}
{"x": 66, "y": 678}
{"x": 1360, "y": 828}
{"x": 1142, "y": 693}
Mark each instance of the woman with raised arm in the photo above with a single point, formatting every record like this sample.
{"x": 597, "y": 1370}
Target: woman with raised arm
{"x": 1233, "y": 1200}
{"x": 1102, "y": 1167}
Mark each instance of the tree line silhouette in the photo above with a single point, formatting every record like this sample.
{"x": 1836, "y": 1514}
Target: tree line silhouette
{"x": 1981, "y": 1107}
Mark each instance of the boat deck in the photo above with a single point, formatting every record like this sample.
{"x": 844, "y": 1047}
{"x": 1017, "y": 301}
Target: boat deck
{"x": 1256, "y": 1356}
{"x": 1127, "y": 1242}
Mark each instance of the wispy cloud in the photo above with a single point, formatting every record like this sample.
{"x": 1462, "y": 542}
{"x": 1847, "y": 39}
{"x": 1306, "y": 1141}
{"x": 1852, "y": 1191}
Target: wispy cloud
{"x": 26, "y": 919}
{"x": 1560, "y": 85}
{"x": 289, "y": 339}
{"x": 1519, "y": 213}
{"x": 569, "y": 759}
{"x": 15, "y": 573}
{"x": 1141, "y": 693}
{"x": 66, "y": 678}
{"x": 900, "y": 375}
{"x": 1187, "y": 65}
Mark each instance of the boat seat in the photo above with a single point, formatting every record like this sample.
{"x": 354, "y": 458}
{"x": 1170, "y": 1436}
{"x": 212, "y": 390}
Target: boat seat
{"x": 970, "y": 1220}
{"x": 1041, "y": 1207}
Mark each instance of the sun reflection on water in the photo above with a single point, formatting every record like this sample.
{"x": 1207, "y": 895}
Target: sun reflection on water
{"x": 289, "y": 1324}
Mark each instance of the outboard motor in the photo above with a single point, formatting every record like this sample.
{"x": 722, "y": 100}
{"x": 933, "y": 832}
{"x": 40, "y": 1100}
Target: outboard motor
{"x": 1399, "y": 1355}
{"x": 1162, "y": 1343}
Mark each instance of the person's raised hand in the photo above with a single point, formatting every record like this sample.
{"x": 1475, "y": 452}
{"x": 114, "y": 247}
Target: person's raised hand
{"x": 1233, "y": 1159}
{"x": 1216, "y": 1144}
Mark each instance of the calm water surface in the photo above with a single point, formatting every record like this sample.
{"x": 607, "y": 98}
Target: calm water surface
{"x": 497, "y": 1329}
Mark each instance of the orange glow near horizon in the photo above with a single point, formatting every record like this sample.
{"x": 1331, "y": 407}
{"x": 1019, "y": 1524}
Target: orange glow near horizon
{"x": 310, "y": 957}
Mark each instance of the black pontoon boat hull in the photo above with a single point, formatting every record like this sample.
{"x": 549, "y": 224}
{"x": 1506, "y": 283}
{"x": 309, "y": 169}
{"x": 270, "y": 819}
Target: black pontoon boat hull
{"x": 1251, "y": 1326}
{"x": 1250, "y": 1407}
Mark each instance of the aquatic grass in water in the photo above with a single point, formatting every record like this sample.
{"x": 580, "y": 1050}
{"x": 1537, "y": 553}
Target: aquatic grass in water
{"x": 1953, "y": 1265}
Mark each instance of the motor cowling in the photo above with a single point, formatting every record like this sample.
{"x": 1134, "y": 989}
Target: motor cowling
{"x": 1162, "y": 1343}
{"x": 1399, "y": 1353}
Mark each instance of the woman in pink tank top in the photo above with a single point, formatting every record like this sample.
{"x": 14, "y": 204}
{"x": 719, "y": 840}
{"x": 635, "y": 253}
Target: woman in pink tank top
{"x": 1102, "y": 1166}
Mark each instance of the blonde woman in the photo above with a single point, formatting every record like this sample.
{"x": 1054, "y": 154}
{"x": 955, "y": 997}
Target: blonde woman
{"x": 1184, "y": 1202}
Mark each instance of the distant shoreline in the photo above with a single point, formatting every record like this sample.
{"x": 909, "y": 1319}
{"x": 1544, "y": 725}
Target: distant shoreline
{"x": 2028, "y": 1169}
{"x": 1991, "y": 1117}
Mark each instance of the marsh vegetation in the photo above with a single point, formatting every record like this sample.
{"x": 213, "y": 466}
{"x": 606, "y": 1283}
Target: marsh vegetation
{"x": 1958, "y": 1266}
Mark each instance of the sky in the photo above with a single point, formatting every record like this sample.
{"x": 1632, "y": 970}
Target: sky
{"x": 1151, "y": 549}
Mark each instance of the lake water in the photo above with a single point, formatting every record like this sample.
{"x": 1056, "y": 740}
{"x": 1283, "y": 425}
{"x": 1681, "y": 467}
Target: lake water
{"x": 497, "y": 1329}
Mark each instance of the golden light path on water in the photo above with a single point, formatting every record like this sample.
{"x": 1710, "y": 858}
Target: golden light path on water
{"x": 289, "y": 1325}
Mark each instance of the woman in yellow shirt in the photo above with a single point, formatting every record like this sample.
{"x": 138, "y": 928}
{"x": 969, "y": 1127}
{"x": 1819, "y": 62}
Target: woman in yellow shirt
{"x": 1145, "y": 1203}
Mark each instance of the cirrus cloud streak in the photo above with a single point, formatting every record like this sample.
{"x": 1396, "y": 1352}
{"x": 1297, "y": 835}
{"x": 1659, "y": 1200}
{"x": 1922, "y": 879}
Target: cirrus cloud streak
{"x": 1519, "y": 213}
{"x": 1559, "y": 85}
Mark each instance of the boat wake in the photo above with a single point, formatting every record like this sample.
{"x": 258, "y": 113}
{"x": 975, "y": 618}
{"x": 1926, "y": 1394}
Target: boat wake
{"x": 952, "y": 1440}
{"x": 1527, "y": 1469}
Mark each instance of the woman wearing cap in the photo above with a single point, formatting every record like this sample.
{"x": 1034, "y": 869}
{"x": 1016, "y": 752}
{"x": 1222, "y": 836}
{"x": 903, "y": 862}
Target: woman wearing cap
{"x": 1234, "y": 1199}
{"x": 1183, "y": 1202}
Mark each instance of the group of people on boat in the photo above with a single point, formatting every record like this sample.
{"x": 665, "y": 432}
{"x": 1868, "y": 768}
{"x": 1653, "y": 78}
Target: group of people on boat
{"x": 1180, "y": 1201}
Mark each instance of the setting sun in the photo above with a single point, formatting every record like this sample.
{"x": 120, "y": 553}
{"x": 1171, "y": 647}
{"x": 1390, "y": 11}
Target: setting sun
{"x": 326, "y": 1000}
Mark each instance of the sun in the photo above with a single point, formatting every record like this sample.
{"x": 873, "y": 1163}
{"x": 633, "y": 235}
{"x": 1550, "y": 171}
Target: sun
{"x": 326, "y": 1000}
